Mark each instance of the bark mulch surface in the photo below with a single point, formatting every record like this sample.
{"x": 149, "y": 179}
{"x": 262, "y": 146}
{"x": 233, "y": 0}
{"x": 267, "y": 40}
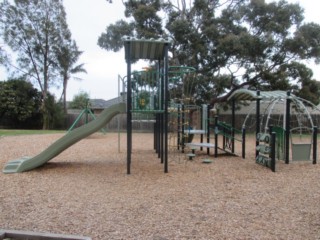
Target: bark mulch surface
{"x": 86, "y": 191}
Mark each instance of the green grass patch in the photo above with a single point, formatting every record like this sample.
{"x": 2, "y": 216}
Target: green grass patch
{"x": 15, "y": 132}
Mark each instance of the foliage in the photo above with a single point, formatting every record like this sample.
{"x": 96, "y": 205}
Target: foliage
{"x": 144, "y": 79}
{"x": 2, "y": 56}
{"x": 20, "y": 104}
{"x": 80, "y": 101}
{"x": 232, "y": 44}
{"x": 37, "y": 31}
{"x": 68, "y": 56}
{"x": 56, "y": 115}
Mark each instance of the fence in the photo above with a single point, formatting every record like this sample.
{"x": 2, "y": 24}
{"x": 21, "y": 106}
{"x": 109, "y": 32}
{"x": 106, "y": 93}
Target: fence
{"x": 119, "y": 122}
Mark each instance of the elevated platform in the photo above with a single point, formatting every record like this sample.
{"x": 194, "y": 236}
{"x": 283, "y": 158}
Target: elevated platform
{"x": 195, "y": 131}
{"x": 206, "y": 145}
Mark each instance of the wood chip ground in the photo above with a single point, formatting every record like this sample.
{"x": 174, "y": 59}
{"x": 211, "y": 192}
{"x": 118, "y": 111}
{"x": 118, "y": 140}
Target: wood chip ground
{"x": 86, "y": 191}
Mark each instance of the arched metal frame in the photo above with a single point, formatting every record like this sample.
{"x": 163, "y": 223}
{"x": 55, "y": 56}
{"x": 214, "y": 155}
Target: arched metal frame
{"x": 244, "y": 94}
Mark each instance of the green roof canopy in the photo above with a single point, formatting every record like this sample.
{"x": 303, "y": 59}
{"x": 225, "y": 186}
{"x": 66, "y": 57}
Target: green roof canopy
{"x": 151, "y": 49}
{"x": 245, "y": 94}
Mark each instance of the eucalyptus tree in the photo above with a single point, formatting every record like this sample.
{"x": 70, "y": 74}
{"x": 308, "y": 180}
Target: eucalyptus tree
{"x": 231, "y": 43}
{"x": 2, "y": 56}
{"x": 35, "y": 30}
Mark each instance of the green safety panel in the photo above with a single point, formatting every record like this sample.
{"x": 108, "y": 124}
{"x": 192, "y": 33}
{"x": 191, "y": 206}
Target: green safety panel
{"x": 301, "y": 151}
{"x": 280, "y": 142}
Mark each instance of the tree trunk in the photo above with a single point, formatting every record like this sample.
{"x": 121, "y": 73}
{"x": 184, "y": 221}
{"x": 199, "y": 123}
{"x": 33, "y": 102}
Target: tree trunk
{"x": 45, "y": 114}
{"x": 65, "y": 83}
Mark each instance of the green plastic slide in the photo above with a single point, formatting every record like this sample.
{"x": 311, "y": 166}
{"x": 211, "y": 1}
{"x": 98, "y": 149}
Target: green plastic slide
{"x": 26, "y": 163}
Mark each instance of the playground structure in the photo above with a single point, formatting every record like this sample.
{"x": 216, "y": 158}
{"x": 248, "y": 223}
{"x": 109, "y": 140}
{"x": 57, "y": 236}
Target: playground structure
{"x": 163, "y": 94}
{"x": 289, "y": 118}
{"x": 266, "y": 149}
{"x": 214, "y": 134}
{"x": 135, "y": 49}
{"x": 284, "y": 127}
{"x": 147, "y": 92}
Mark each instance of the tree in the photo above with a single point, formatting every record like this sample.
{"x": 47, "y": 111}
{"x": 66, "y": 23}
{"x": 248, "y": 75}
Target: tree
{"x": 20, "y": 103}
{"x": 36, "y": 30}
{"x": 55, "y": 113}
{"x": 80, "y": 101}
{"x": 232, "y": 44}
{"x": 68, "y": 56}
{"x": 2, "y": 56}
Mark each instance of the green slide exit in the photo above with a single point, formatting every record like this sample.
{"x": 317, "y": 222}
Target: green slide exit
{"x": 25, "y": 163}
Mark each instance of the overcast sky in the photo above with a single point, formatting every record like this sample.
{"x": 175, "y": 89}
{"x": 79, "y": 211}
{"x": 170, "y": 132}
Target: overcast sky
{"x": 87, "y": 19}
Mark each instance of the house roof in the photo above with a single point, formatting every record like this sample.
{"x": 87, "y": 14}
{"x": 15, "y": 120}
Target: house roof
{"x": 97, "y": 103}
{"x": 101, "y": 103}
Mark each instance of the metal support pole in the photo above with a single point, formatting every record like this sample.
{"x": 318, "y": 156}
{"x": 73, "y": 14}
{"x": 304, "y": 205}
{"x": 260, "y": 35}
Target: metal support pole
{"x": 162, "y": 106}
{"x": 129, "y": 108}
{"x": 233, "y": 120}
{"x": 155, "y": 136}
{"x": 179, "y": 127}
{"x": 315, "y": 143}
{"x": 243, "y": 143}
{"x": 288, "y": 117}
{"x": 201, "y": 126}
{"x": 273, "y": 152}
{"x": 224, "y": 142}
{"x": 208, "y": 129}
{"x": 216, "y": 136}
{"x": 257, "y": 120}
{"x": 158, "y": 119}
{"x": 182, "y": 127}
{"x": 166, "y": 101}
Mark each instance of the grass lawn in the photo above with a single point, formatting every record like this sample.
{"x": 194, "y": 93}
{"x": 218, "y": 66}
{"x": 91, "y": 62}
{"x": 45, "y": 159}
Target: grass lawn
{"x": 14, "y": 132}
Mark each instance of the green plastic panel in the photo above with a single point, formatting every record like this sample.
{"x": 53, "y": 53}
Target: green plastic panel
{"x": 301, "y": 151}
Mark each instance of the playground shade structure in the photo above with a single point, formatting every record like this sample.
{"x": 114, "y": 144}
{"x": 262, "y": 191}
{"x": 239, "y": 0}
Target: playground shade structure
{"x": 27, "y": 163}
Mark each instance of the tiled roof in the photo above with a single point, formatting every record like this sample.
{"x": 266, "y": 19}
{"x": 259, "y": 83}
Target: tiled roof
{"x": 101, "y": 103}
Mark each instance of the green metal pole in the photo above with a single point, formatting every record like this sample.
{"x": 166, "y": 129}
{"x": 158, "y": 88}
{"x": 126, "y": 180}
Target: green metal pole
{"x": 257, "y": 120}
{"x": 287, "y": 136}
{"x": 273, "y": 152}
{"x": 233, "y": 120}
{"x": 129, "y": 107}
{"x": 166, "y": 99}
{"x": 77, "y": 120}
{"x": 315, "y": 143}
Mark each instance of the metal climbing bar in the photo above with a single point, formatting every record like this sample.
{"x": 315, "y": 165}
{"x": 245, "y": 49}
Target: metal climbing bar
{"x": 229, "y": 135}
